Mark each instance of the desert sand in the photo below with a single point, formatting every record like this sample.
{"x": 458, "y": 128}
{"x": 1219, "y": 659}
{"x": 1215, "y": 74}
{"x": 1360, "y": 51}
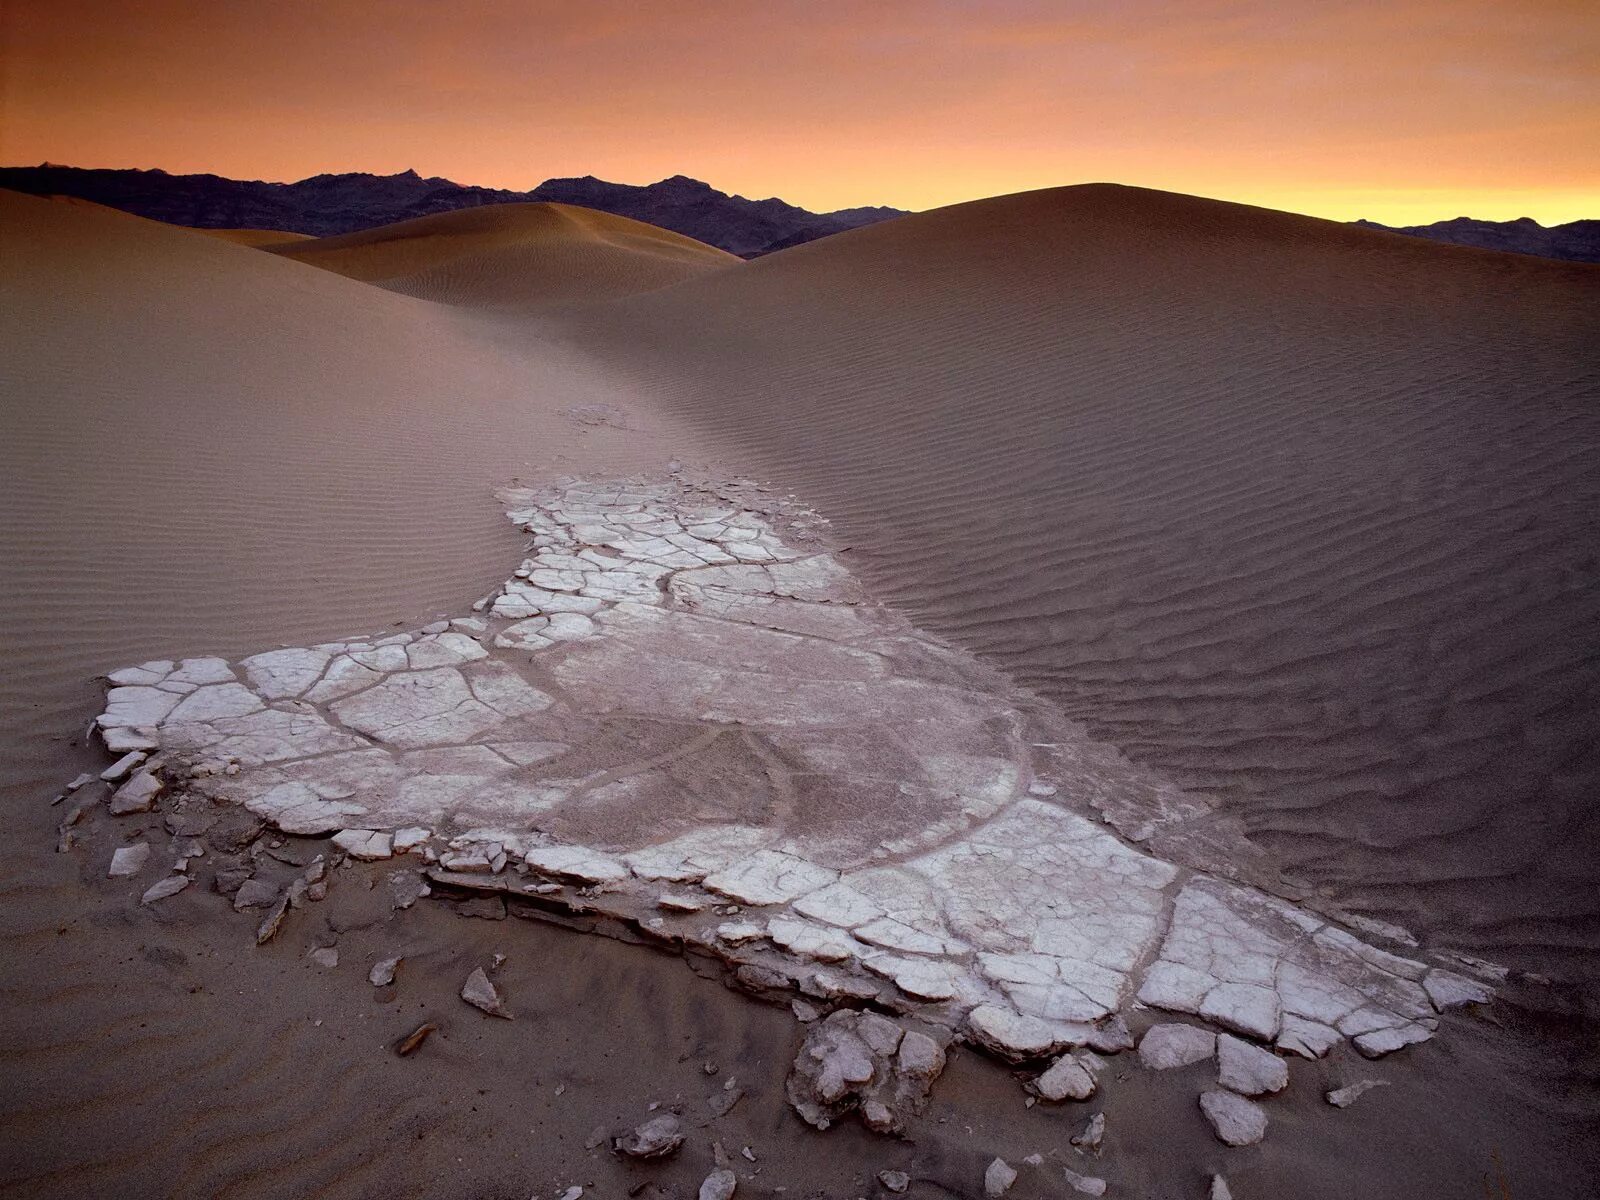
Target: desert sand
{"x": 1295, "y": 516}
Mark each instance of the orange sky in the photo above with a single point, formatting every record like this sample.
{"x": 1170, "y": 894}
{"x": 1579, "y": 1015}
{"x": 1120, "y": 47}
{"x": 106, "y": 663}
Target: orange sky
{"x": 1405, "y": 111}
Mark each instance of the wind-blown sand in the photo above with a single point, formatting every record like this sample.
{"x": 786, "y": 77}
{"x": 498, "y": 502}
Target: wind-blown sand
{"x": 1296, "y": 514}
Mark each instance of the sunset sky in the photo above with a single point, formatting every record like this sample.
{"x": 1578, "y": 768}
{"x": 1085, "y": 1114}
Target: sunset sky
{"x": 1405, "y": 111}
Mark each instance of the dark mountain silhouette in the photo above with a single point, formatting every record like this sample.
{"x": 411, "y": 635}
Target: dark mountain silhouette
{"x": 333, "y": 204}
{"x": 1577, "y": 241}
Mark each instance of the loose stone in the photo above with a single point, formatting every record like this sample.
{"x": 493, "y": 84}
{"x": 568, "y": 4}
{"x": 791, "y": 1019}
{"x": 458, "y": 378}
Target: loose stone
{"x": 1088, "y": 1185}
{"x": 382, "y": 973}
{"x": 656, "y": 1138}
{"x": 894, "y": 1181}
{"x": 325, "y": 956}
{"x": 1220, "y": 1189}
{"x": 137, "y": 795}
{"x": 1068, "y": 1078}
{"x": 163, "y": 888}
{"x": 480, "y": 993}
{"x": 129, "y": 860}
{"x": 1092, "y": 1134}
{"x": 1235, "y": 1120}
{"x": 1346, "y": 1096}
{"x": 998, "y": 1178}
{"x": 414, "y": 1039}
{"x": 1248, "y": 1069}
{"x": 719, "y": 1185}
{"x": 119, "y": 769}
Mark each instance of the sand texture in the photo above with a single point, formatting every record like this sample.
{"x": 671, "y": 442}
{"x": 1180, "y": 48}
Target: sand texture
{"x": 1283, "y": 528}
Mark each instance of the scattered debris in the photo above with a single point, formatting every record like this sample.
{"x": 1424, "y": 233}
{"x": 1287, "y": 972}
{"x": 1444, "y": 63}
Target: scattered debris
{"x": 998, "y": 1177}
{"x": 137, "y": 795}
{"x": 162, "y": 888}
{"x": 1236, "y": 1121}
{"x": 656, "y": 1138}
{"x": 480, "y": 993}
{"x": 894, "y": 1181}
{"x": 722, "y": 1103}
{"x": 719, "y": 1185}
{"x": 382, "y": 973}
{"x": 862, "y": 1061}
{"x": 255, "y": 893}
{"x": 120, "y": 769}
{"x": 1089, "y": 1138}
{"x": 415, "y": 1038}
{"x": 1089, "y": 1185}
{"x": 1069, "y": 1078}
{"x": 1346, "y": 1096}
{"x": 1248, "y": 1069}
{"x": 128, "y": 860}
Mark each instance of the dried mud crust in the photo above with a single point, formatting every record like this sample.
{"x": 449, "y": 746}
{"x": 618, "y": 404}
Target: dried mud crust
{"x": 683, "y": 720}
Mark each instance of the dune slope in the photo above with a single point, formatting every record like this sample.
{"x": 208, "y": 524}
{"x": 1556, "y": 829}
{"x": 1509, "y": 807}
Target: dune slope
{"x": 513, "y": 256}
{"x": 1302, "y": 514}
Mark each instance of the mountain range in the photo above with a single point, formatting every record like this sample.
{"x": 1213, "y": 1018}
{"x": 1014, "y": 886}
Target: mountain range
{"x": 324, "y": 205}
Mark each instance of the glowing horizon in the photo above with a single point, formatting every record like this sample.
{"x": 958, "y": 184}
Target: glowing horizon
{"x": 1421, "y": 111}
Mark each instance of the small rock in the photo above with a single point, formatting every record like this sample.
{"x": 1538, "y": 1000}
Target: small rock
{"x": 1089, "y": 1139}
{"x": 894, "y": 1181}
{"x": 1346, "y": 1096}
{"x": 998, "y": 1177}
{"x": 137, "y": 795}
{"x": 81, "y": 781}
{"x": 120, "y": 769}
{"x": 572, "y": 1193}
{"x": 1236, "y": 1121}
{"x": 1089, "y": 1185}
{"x": 128, "y": 860}
{"x": 1248, "y": 1069}
{"x": 1386, "y": 1041}
{"x": 325, "y": 956}
{"x": 719, "y": 1185}
{"x": 382, "y": 973}
{"x": 161, "y": 889}
{"x": 1220, "y": 1189}
{"x": 255, "y": 893}
{"x": 415, "y": 1038}
{"x": 1112, "y": 1037}
{"x": 722, "y": 1103}
{"x": 1165, "y": 1047}
{"x": 656, "y": 1138}
{"x": 480, "y": 993}
{"x": 1067, "y": 1079}
{"x": 804, "y": 1011}
{"x": 1035, "y": 1159}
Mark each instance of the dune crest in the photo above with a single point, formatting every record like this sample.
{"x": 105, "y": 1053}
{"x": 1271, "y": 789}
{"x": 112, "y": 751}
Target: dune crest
{"x": 513, "y": 256}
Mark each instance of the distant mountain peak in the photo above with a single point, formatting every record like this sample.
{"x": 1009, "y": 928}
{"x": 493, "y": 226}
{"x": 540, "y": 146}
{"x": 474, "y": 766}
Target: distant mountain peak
{"x": 343, "y": 203}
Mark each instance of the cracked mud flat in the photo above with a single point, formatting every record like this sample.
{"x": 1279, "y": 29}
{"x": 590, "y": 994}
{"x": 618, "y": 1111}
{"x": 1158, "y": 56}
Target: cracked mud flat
{"x": 684, "y": 721}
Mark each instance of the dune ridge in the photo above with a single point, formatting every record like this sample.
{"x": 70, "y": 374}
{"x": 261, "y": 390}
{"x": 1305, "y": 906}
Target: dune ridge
{"x": 512, "y": 256}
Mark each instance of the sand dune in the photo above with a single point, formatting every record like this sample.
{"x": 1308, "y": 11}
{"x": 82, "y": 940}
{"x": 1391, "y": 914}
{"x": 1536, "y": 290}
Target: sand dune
{"x": 256, "y": 237}
{"x": 1298, "y": 514}
{"x": 1301, "y": 514}
{"x": 513, "y": 256}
